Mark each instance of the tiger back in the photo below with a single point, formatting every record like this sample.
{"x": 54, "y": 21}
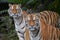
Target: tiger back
{"x": 51, "y": 18}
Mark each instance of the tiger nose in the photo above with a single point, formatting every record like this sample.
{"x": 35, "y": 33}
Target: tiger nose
{"x": 14, "y": 11}
{"x": 32, "y": 23}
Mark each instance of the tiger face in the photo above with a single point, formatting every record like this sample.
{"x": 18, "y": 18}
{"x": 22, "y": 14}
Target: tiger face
{"x": 15, "y": 10}
{"x": 32, "y": 22}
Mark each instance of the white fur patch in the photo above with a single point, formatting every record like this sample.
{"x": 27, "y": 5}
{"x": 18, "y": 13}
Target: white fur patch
{"x": 12, "y": 7}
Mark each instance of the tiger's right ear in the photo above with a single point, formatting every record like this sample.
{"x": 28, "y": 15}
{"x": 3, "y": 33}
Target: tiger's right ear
{"x": 10, "y": 5}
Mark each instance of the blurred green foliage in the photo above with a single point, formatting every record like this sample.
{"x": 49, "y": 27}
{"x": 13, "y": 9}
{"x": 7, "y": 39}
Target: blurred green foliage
{"x": 54, "y": 6}
{"x": 7, "y": 29}
{"x": 14, "y": 1}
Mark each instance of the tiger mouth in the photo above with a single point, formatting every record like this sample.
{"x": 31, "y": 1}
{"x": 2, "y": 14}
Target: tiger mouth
{"x": 32, "y": 29}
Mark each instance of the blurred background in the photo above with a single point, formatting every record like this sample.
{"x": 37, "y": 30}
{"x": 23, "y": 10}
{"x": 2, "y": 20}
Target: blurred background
{"x": 7, "y": 31}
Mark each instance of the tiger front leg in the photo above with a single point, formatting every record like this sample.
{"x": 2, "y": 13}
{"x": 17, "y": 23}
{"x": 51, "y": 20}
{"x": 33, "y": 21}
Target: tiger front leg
{"x": 20, "y": 35}
{"x": 20, "y": 32}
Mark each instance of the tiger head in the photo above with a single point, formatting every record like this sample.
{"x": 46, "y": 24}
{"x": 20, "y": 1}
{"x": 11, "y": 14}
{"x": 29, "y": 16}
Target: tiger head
{"x": 15, "y": 9}
{"x": 32, "y": 22}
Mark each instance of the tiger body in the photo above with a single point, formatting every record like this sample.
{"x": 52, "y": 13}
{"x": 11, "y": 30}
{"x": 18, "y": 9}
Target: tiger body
{"x": 16, "y": 12}
{"x": 43, "y": 22}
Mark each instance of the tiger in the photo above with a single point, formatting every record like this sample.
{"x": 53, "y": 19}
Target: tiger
{"x": 42, "y": 26}
{"x": 15, "y": 11}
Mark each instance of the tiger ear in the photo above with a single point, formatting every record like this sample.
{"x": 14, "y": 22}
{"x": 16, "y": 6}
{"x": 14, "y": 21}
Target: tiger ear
{"x": 10, "y": 5}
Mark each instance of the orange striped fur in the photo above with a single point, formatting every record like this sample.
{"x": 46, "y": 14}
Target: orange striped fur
{"x": 49, "y": 32}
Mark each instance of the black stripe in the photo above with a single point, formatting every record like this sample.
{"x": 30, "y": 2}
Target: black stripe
{"x": 22, "y": 36}
{"x": 21, "y": 32}
{"x": 41, "y": 36}
{"x": 37, "y": 33}
{"x": 50, "y": 16}
{"x": 21, "y": 20}
{"x": 55, "y": 18}
{"x": 42, "y": 15}
{"x": 23, "y": 27}
{"x": 47, "y": 16}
